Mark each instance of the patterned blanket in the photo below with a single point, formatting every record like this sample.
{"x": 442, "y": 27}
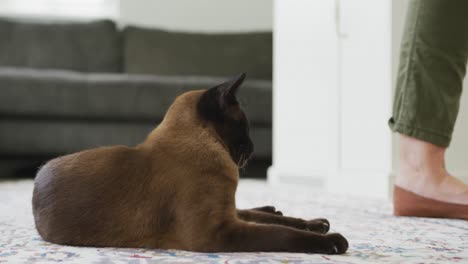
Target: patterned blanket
{"x": 375, "y": 235}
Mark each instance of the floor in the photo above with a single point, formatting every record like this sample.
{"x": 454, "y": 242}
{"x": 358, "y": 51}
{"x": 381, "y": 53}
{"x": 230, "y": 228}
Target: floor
{"x": 375, "y": 235}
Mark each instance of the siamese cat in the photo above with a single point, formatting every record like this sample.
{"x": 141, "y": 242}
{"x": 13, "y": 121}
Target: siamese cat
{"x": 173, "y": 191}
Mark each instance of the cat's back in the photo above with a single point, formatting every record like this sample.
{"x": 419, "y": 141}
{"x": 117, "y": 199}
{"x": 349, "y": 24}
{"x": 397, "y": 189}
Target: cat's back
{"x": 81, "y": 191}
{"x": 93, "y": 165}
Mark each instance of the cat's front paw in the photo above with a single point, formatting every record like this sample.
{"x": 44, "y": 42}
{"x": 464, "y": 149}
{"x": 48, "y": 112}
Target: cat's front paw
{"x": 319, "y": 225}
{"x": 335, "y": 244}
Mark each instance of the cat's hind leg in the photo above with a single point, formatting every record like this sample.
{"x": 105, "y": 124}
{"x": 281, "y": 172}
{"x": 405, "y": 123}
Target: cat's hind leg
{"x": 267, "y": 209}
{"x": 316, "y": 225}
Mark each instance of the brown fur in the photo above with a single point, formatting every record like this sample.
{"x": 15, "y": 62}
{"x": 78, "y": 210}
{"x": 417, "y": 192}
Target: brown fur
{"x": 175, "y": 190}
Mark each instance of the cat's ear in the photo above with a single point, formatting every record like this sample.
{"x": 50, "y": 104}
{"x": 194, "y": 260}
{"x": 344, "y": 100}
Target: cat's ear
{"x": 226, "y": 92}
{"x": 215, "y": 100}
{"x": 229, "y": 89}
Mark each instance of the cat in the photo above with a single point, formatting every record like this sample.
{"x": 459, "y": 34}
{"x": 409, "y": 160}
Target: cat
{"x": 173, "y": 191}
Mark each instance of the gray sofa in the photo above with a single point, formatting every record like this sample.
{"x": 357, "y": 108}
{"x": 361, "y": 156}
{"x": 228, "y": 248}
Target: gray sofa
{"x": 67, "y": 86}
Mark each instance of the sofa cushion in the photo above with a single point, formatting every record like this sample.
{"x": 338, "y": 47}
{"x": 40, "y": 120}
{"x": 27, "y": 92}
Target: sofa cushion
{"x": 51, "y": 137}
{"x": 175, "y": 53}
{"x": 58, "y": 94}
{"x": 88, "y": 47}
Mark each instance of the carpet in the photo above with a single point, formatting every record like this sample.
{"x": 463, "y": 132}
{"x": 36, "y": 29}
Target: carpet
{"x": 375, "y": 236}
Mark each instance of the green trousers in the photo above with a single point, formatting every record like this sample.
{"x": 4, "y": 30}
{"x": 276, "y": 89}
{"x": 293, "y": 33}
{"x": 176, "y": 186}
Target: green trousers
{"x": 433, "y": 57}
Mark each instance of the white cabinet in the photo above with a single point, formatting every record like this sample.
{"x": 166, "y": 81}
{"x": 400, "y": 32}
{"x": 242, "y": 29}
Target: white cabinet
{"x": 305, "y": 63}
{"x": 332, "y": 95}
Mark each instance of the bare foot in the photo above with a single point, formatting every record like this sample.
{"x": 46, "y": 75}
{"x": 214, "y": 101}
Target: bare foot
{"x": 422, "y": 171}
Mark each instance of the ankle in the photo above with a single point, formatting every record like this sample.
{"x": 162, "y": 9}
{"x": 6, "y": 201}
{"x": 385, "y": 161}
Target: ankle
{"x": 419, "y": 155}
{"x": 420, "y": 161}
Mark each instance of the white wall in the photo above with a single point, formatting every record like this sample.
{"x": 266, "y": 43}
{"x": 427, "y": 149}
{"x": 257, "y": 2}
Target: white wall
{"x": 199, "y": 15}
{"x": 183, "y": 15}
{"x": 60, "y": 9}
{"x": 399, "y": 8}
{"x": 457, "y": 156}
{"x": 332, "y": 89}
{"x": 365, "y": 81}
{"x": 305, "y": 91}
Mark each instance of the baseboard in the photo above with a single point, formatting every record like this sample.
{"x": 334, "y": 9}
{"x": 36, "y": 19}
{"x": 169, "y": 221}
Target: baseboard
{"x": 279, "y": 177}
{"x": 355, "y": 182}
{"x": 368, "y": 183}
